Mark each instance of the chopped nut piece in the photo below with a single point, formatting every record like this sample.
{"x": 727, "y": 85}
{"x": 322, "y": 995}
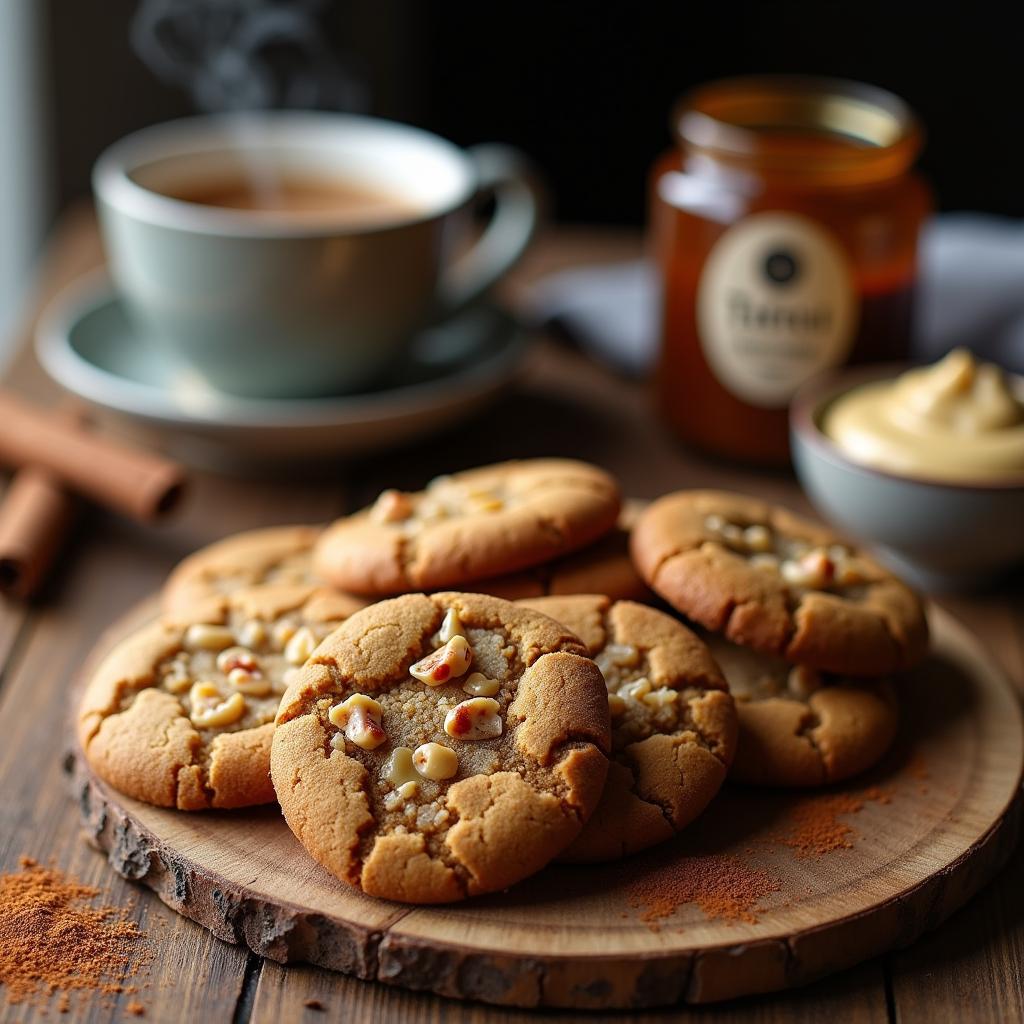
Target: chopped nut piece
{"x": 359, "y": 716}
{"x": 253, "y": 684}
{"x": 813, "y": 570}
{"x": 758, "y": 538}
{"x": 803, "y": 681}
{"x": 397, "y": 797}
{"x": 713, "y": 523}
{"x": 209, "y": 711}
{"x": 616, "y": 656}
{"x": 205, "y": 636}
{"x": 449, "y": 662}
{"x": 392, "y": 507}
{"x": 616, "y": 705}
{"x": 283, "y": 632}
{"x": 398, "y": 768}
{"x": 300, "y": 646}
{"x": 480, "y": 686}
{"x": 252, "y": 633}
{"x": 177, "y": 682}
{"x": 764, "y": 561}
{"x": 232, "y": 658}
{"x": 623, "y": 655}
{"x": 435, "y": 761}
{"x": 451, "y": 626}
{"x": 636, "y": 690}
{"x": 660, "y": 697}
{"x": 338, "y": 741}
{"x": 475, "y": 719}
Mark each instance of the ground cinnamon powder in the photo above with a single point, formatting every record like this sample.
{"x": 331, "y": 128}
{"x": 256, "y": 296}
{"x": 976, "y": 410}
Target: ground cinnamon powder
{"x": 720, "y": 884}
{"x": 52, "y": 940}
{"x": 813, "y": 827}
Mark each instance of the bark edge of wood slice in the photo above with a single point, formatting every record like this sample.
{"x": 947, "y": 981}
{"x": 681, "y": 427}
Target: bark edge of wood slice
{"x": 947, "y": 817}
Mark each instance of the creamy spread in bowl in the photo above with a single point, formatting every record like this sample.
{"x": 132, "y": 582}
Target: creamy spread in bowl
{"x": 959, "y": 421}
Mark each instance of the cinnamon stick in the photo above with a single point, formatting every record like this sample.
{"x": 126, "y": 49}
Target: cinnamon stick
{"x": 35, "y": 515}
{"x": 138, "y": 484}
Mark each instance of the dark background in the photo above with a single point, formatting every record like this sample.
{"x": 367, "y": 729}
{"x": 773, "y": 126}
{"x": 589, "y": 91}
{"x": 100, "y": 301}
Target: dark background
{"x": 585, "y": 88}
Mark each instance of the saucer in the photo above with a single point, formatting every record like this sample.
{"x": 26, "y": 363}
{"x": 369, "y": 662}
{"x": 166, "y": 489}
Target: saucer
{"x": 87, "y": 345}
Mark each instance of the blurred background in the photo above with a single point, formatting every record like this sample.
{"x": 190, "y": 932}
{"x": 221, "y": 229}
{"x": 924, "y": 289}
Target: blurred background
{"x": 584, "y": 89}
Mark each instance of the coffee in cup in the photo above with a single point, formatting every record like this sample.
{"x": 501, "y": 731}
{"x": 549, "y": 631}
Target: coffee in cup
{"x": 292, "y": 254}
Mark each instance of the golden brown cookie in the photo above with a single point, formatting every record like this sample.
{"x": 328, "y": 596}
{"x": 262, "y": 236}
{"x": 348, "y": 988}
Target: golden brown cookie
{"x": 278, "y": 554}
{"x": 801, "y": 727}
{"x": 180, "y": 713}
{"x": 473, "y": 525}
{"x": 673, "y": 723}
{"x": 438, "y": 747}
{"x": 603, "y": 567}
{"x": 780, "y": 584}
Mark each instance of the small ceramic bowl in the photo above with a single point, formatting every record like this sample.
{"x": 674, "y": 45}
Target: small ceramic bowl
{"x": 939, "y": 535}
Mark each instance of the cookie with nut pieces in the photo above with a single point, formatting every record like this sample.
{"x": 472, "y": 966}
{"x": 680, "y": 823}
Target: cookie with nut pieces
{"x": 438, "y": 747}
{"x": 469, "y": 526}
{"x": 181, "y": 712}
{"x": 783, "y": 585}
{"x": 673, "y": 723}
{"x": 800, "y": 727}
{"x": 276, "y": 554}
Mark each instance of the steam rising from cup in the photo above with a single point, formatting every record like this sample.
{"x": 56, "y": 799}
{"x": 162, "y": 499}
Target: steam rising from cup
{"x": 245, "y": 54}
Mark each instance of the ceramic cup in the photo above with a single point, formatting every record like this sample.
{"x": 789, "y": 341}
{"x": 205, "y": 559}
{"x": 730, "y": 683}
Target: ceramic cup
{"x": 270, "y": 303}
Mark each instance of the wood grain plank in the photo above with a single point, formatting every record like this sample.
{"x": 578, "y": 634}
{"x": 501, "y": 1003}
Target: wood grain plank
{"x": 855, "y": 997}
{"x": 191, "y": 975}
{"x": 973, "y": 966}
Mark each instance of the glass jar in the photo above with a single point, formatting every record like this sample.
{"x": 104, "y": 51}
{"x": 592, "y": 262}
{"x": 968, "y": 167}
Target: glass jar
{"x": 785, "y": 228}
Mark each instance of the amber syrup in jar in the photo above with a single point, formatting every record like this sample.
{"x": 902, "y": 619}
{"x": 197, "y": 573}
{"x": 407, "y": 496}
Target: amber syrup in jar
{"x": 785, "y": 227}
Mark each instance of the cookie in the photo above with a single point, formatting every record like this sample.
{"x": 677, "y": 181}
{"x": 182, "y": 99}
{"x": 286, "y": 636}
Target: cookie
{"x": 180, "y": 713}
{"x": 279, "y": 554}
{"x": 438, "y": 747}
{"x": 780, "y": 584}
{"x": 801, "y": 727}
{"x": 473, "y": 525}
{"x": 603, "y": 567}
{"x": 673, "y": 723}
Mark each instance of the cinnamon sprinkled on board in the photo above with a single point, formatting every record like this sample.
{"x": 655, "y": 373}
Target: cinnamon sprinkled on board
{"x": 50, "y": 940}
{"x": 720, "y": 884}
{"x": 813, "y": 825}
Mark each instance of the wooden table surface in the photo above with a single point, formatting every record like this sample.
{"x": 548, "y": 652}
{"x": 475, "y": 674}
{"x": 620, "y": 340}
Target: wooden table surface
{"x": 970, "y": 969}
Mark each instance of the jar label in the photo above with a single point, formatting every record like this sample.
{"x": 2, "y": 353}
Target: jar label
{"x": 775, "y": 305}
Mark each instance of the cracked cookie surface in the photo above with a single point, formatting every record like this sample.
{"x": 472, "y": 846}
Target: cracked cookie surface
{"x": 438, "y": 747}
{"x": 277, "y": 554}
{"x": 603, "y": 567}
{"x": 181, "y": 712}
{"x": 783, "y": 585}
{"x": 673, "y": 723}
{"x": 800, "y": 727}
{"x": 469, "y": 526}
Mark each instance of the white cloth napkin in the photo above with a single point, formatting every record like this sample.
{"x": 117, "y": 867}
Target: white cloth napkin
{"x": 971, "y": 293}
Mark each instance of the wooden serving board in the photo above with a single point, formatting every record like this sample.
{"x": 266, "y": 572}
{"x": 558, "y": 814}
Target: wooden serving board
{"x": 793, "y": 899}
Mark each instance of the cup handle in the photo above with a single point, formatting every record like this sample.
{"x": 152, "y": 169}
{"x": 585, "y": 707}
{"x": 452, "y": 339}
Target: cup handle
{"x": 501, "y": 171}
